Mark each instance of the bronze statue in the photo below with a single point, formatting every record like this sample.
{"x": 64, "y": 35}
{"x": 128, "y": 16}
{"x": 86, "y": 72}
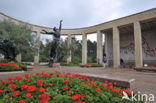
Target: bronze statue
{"x": 55, "y": 43}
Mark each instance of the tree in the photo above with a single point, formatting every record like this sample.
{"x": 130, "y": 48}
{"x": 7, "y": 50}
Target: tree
{"x": 15, "y": 39}
{"x": 91, "y": 51}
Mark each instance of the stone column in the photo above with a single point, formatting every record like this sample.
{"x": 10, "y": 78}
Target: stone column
{"x": 37, "y": 46}
{"x": 99, "y": 47}
{"x": 106, "y": 47}
{"x": 138, "y": 44}
{"x": 69, "y": 50}
{"x": 84, "y": 48}
{"x": 18, "y": 57}
{"x": 116, "y": 47}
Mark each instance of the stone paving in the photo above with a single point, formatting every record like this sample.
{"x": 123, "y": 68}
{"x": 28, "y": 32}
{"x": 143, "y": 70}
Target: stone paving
{"x": 145, "y": 82}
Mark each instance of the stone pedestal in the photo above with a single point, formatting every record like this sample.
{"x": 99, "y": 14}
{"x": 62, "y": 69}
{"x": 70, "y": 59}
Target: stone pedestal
{"x": 55, "y": 65}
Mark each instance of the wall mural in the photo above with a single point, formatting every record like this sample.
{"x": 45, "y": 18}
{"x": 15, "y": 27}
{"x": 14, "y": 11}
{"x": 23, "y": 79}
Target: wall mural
{"x": 146, "y": 48}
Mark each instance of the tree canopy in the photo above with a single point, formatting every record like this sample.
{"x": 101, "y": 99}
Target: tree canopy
{"x": 15, "y": 39}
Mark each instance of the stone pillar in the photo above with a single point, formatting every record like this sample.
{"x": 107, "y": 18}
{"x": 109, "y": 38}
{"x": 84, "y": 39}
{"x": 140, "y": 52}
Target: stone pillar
{"x": 18, "y": 57}
{"x": 106, "y": 47}
{"x": 84, "y": 48}
{"x": 69, "y": 50}
{"x": 138, "y": 44}
{"x": 37, "y": 46}
{"x": 116, "y": 47}
{"x": 99, "y": 47}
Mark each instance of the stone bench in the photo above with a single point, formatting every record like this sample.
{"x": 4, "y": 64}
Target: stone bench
{"x": 118, "y": 82}
{"x": 27, "y": 68}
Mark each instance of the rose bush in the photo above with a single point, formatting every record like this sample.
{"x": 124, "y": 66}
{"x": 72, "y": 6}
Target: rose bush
{"x": 59, "y": 88}
{"x": 10, "y": 67}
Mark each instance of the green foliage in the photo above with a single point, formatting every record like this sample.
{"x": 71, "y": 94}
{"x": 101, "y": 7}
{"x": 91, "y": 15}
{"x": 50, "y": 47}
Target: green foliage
{"x": 89, "y": 60}
{"x": 76, "y": 48}
{"x": 97, "y": 65}
{"x": 91, "y": 51}
{"x": 58, "y": 88}
{"x": 69, "y": 64}
{"x": 15, "y": 39}
{"x": 76, "y": 60}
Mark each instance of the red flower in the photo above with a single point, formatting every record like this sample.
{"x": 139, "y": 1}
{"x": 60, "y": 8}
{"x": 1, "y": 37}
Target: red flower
{"x": 120, "y": 94}
{"x": 10, "y": 78}
{"x": 84, "y": 95}
{"x": 10, "y": 81}
{"x": 15, "y": 94}
{"x": 40, "y": 82}
{"x": 92, "y": 82}
{"x": 51, "y": 84}
{"x": 26, "y": 75}
{"x": 1, "y": 91}
{"x": 59, "y": 75}
{"x": 98, "y": 89}
{"x": 103, "y": 84}
{"x": 123, "y": 90}
{"x": 13, "y": 86}
{"x": 109, "y": 84}
{"x": 44, "y": 98}
{"x": 41, "y": 90}
{"x": 27, "y": 80}
{"x": 18, "y": 77}
{"x": 110, "y": 88}
{"x": 38, "y": 74}
{"x": 94, "y": 85}
{"x": 24, "y": 87}
{"x": 42, "y": 101}
{"x": 115, "y": 90}
{"x": 88, "y": 83}
{"x": 128, "y": 92}
{"x": 44, "y": 74}
{"x": 66, "y": 81}
{"x": 21, "y": 101}
{"x": 3, "y": 82}
{"x": 69, "y": 92}
{"x": 30, "y": 88}
{"x": 65, "y": 88}
{"x": 76, "y": 97}
{"x": 81, "y": 85}
{"x": 28, "y": 95}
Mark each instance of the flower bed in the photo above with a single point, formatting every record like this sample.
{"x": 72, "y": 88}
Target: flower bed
{"x": 58, "y": 88}
{"x": 9, "y": 67}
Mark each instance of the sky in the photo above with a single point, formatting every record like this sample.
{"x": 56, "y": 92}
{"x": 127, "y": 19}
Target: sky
{"x": 75, "y": 13}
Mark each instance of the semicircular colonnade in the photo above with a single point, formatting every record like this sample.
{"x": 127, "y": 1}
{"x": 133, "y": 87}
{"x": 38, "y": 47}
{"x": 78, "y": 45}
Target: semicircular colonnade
{"x": 114, "y": 26}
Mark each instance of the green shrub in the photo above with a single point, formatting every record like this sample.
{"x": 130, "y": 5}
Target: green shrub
{"x": 97, "y": 65}
{"x": 89, "y": 60}
{"x": 63, "y": 64}
{"x": 69, "y": 64}
{"x": 76, "y": 60}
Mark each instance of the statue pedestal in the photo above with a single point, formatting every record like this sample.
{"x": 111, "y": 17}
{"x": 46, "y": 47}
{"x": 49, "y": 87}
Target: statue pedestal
{"x": 55, "y": 65}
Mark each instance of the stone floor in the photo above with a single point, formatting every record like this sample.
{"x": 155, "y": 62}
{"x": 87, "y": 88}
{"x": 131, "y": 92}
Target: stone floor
{"x": 145, "y": 82}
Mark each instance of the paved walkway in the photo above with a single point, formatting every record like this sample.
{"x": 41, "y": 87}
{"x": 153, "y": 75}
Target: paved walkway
{"x": 145, "y": 82}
